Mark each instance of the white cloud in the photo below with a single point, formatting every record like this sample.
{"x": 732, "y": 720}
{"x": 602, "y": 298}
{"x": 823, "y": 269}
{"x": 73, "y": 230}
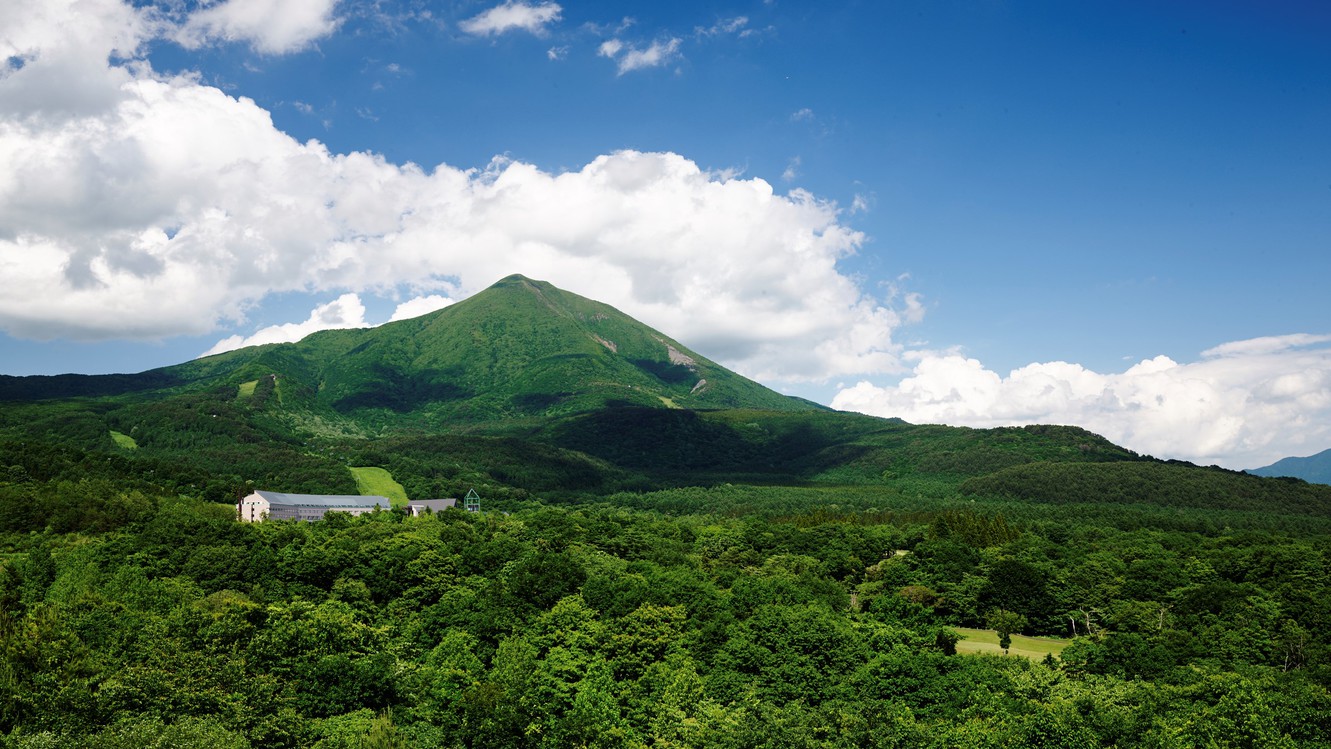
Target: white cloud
{"x": 270, "y": 26}
{"x": 554, "y": 54}
{"x": 725, "y": 26}
{"x": 346, "y": 311}
{"x": 1243, "y": 404}
{"x": 610, "y": 29}
{"x": 1266, "y": 345}
{"x": 228, "y": 210}
{"x": 819, "y": 127}
{"x": 421, "y": 305}
{"x": 53, "y": 57}
{"x": 513, "y": 16}
{"x": 792, "y": 169}
{"x": 628, "y": 57}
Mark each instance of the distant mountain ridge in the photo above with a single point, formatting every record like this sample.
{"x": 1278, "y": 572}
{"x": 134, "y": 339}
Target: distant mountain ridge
{"x": 1314, "y": 468}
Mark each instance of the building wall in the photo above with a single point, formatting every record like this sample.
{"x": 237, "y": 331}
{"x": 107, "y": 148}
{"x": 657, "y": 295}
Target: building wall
{"x": 256, "y": 509}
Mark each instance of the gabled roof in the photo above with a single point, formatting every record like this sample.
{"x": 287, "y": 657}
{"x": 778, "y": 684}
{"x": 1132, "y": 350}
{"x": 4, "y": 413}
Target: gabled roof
{"x": 323, "y": 500}
{"x": 434, "y": 504}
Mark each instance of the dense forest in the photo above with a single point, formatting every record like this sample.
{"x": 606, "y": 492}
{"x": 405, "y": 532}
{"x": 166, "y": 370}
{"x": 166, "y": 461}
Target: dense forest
{"x": 729, "y": 616}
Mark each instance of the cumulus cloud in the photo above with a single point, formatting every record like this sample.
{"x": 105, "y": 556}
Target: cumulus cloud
{"x": 346, "y": 311}
{"x": 421, "y": 305}
{"x": 154, "y": 206}
{"x": 629, "y": 57}
{"x": 513, "y": 16}
{"x": 53, "y": 57}
{"x": 270, "y": 26}
{"x": 1242, "y": 404}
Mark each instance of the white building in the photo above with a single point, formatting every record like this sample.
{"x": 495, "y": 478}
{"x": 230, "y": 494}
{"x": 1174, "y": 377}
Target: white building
{"x": 265, "y": 505}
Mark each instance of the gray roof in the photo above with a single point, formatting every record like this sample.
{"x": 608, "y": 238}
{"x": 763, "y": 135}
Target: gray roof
{"x": 434, "y": 504}
{"x": 323, "y": 500}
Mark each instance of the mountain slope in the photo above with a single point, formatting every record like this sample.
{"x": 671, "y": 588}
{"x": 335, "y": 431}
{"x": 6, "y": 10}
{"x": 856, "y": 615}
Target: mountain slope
{"x": 524, "y": 388}
{"x": 521, "y": 348}
{"x": 1314, "y": 468}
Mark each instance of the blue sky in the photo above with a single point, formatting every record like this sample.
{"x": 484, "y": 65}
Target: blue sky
{"x": 1111, "y": 214}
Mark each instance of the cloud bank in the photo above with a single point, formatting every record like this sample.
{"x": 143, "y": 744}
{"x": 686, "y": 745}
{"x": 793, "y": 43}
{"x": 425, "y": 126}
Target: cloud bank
{"x": 137, "y": 205}
{"x": 1243, "y": 404}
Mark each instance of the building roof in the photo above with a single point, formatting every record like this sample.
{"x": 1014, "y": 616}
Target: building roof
{"x": 323, "y": 500}
{"x": 434, "y": 504}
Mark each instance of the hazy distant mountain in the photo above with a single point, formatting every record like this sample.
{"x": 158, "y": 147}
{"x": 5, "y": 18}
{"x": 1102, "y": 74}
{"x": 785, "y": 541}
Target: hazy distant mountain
{"x": 1314, "y": 468}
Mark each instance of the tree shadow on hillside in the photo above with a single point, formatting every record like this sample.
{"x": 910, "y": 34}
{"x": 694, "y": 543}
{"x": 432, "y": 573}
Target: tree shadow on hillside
{"x": 392, "y": 389}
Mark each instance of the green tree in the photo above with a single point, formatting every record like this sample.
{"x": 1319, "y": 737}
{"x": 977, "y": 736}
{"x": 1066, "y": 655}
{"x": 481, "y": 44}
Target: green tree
{"x": 1005, "y": 623}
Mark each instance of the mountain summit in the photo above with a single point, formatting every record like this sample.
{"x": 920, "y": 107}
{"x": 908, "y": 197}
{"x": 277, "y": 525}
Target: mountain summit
{"x": 521, "y": 348}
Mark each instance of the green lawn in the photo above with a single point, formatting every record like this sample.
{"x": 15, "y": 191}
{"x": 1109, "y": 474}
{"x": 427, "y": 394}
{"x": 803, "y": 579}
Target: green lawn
{"x": 247, "y": 390}
{"x": 124, "y": 440}
{"x": 379, "y": 482}
{"x": 986, "y": 641}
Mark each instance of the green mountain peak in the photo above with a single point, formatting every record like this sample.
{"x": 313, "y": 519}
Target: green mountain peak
{"x": 521, "y": 348}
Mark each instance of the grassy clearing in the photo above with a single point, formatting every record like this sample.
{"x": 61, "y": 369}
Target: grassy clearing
{"x": 380, "y": 482}
{"x": 247, "y": 390}
{"x": 986, "y": 641}
{"x": 669, "y": 403}
{"x": 124, "y": 440}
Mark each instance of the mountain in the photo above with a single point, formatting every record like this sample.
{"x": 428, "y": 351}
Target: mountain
{"x": 525, "y": 389}
{"x": 1314, "y": 468}
{"x": 521, "y": 348}
{"x": 522, "y": 363}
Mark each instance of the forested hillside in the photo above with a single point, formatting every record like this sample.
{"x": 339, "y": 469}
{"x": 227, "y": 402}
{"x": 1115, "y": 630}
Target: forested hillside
{"x": 603, "y": 625}
{"x": 658, "y": 563}
{"x": 735, "y": 615}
